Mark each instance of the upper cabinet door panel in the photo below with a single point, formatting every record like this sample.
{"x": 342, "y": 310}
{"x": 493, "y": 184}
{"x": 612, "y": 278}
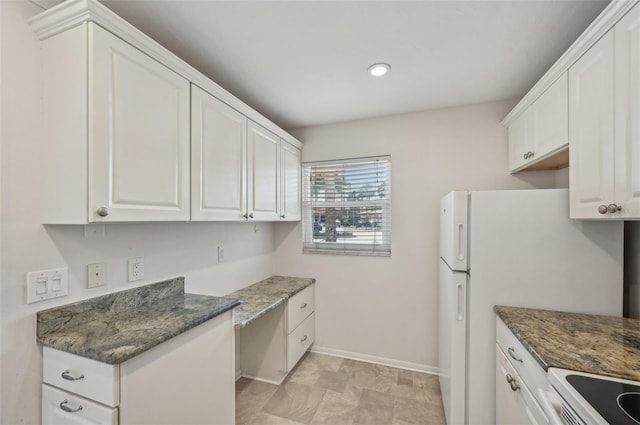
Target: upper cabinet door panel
{"x": 291, "y": 179}
{"x": 520, "y": 140}
{"x": 627, "y": 113}
{"x": 138, "y": 134}
{"x": 218, "y": 159}
{"x": 550, "y": 118}
{"x": 591, "y": 136}
{"x": 263, "y": 173}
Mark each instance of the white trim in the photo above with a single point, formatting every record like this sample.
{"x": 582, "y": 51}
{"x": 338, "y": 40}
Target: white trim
{"x": 268, "y": 381}
{"x": 599, "y": 27}
{"x": 400, "y": 364}
{"x": 72, "y": 13}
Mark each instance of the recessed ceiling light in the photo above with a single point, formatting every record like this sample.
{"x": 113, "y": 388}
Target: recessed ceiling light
{"x": 379, "y": 69}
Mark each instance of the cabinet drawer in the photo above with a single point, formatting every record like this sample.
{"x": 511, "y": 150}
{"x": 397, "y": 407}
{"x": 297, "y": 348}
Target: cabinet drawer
{"x": 299, "y": 307}
{"x": 99, "y": 382}
{"x": 300, "y": 340}
{"x": 525, "y": 364}
{"x": 514, "y": 401}
{"x": 78, "y": 411}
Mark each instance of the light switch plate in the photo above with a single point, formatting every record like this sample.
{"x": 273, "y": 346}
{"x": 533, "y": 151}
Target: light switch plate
{"x": 46, "y": 284}
{"x": 96, "y": 275}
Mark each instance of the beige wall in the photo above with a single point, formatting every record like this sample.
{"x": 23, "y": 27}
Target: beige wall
{"x": 386, "y": 308}
{"x": 169, "y": 250}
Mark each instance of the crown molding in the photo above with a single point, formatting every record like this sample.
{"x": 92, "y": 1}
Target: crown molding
{"x": 72, "y": 13}
{"x": 599, "y": 27}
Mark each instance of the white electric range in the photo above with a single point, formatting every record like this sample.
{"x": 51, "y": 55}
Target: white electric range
{"x": 587, "y": 399}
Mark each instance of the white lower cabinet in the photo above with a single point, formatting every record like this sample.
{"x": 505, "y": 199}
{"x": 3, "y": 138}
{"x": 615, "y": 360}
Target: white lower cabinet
{"x": 272, "y": 345}
{"x": 518, "y": 378}
{"x": 189, "y": 379}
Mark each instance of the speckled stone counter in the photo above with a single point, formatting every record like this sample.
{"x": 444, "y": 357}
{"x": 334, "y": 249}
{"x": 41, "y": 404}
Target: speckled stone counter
{"x": 266, "y": 295}
{"x": 604, "y": 345}
{"x": 116, "y": 327}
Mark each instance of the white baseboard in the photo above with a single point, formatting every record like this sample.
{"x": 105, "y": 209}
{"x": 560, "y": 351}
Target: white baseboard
{"x": 416, "y": 367}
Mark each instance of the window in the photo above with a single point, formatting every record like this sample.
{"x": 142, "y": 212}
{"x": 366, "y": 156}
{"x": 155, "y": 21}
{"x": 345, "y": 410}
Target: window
{"x": 346, "y": 206}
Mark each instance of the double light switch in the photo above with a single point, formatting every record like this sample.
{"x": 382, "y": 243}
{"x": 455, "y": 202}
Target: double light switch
{"x": 46, "y": 284}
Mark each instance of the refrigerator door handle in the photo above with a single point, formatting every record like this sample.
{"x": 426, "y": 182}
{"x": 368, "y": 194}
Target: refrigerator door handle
{"x": 460, "y": 302}
{"x": 461, "y": 247}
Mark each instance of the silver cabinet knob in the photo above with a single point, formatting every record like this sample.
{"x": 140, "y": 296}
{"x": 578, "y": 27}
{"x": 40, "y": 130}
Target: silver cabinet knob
{"x": 602, "y": 209}
{"x": 102, "y": 211}
{"x": 514, "y": 385}
{"x": 612, "y": 208}
{"x": 509, "y": 378}
{"x": 251, "y": 215}
{"x": 526, "y": 155}
{"x": 246, "y": 216}
{"x": 282, "y": 216}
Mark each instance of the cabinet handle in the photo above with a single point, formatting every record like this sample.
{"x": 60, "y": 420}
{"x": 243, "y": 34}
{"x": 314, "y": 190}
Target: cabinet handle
{"x": 303, "y": 305}
{"x": 282, "y": 216}
{"x": 251, "y": 215}
{"x": 613, "y": 208}
{"x": 602, "y": 209}
{"x": 68, "y": 377}
{"x": 102, "y": 211}
{"x": 511, "y": 352}
{"x": 63, "y": 406}
{"x": 246, "y": 216}
{"x": 514, "y": 385}
{"x": 303, "y": 339}
{"x": 510, "y": 378}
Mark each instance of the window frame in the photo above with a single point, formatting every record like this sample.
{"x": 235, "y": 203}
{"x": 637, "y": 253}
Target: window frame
{"x": 345, "y": 248}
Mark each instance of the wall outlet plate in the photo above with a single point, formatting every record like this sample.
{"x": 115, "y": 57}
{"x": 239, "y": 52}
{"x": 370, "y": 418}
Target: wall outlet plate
{"x": 96, "y": 275}
{"x": 136, "y": 269}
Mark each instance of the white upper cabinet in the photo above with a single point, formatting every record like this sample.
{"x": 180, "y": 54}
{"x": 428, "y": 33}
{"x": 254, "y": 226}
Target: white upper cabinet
{"x": 290, "y": 177}
{"x": 591, "y": 130}
{"x": 138, "y": 135}
{"x": 627, "y": 114}
{"x": 263, "y": 167}
{"x": 133, "y": 133}
{"x": 538, "y": 137}
{"x": 218, "y": 159}
{"x": 605, "y": 125}
{"x": 117, "y": 132}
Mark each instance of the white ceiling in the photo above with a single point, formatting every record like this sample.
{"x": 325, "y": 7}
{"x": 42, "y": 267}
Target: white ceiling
{"x": 303, "y": 63}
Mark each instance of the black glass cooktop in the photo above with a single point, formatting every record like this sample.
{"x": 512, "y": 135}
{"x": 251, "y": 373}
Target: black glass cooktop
{"x": 616, "y": 402}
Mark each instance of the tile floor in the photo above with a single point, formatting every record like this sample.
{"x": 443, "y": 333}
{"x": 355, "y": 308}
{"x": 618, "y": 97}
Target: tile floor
{"x": 336, "y": 391}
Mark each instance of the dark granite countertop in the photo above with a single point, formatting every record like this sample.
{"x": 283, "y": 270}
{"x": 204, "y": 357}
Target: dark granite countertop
{"x": 266, "y": 295}
{"x": 116, "y": 327}
{"x": 603, "y": 345}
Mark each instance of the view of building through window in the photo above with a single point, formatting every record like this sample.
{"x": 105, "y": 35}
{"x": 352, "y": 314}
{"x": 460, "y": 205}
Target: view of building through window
{"x": 346, "y": 205}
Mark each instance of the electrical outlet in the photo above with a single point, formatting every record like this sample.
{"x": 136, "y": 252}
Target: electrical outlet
{"x": 96, "y": 275}
{"x": 220, "y": 254}
{"x": 136, "y": 269}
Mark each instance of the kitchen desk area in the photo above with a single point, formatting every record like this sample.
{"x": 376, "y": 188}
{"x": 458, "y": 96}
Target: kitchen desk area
{"x": 275, "y": 326}
{"x": 536, "y": 352}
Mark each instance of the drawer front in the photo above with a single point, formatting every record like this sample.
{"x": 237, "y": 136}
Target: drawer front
{"x": 61, "y": 407}
{"x": 519, "y": 357}
{"x": 299, "y": 307}
{"x": 300, "y": 340}
{"x": 85, "y": 377}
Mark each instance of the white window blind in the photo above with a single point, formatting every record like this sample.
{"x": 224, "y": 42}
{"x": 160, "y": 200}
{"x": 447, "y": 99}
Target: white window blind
{"x": 346, "y": 206}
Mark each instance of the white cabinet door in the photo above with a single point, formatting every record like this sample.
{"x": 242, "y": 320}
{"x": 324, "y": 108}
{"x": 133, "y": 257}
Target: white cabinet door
{"x": 263, "y": 173}
{"x": 511, "y": 408}
{"x": 550, "y": 119}
{"x": 218, "y": 159}
{"x": 290, "y": 175}
{"x": 591, "y": 137}
{"x": 61, "y": 407}
{"x": 138, "y": 135}
{"x": 520, "y": 140}
{"x": 627, "y": 113}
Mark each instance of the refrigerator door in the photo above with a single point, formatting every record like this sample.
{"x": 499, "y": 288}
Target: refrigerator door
{"x": 453, "y": 230}
{"x": 452, "y": 342}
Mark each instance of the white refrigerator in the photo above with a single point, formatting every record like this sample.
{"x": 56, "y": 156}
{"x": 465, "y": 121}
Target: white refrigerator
{"x": 515, "y": 248}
